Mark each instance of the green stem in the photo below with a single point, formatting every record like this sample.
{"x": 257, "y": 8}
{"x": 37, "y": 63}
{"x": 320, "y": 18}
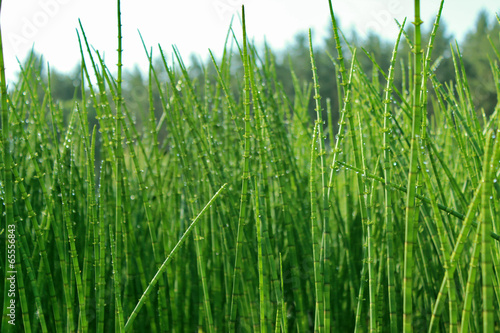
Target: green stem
{"x": 411, "y": 217}
{"x": 245, "y": 194}
{"x": 8, "y": 187}
{"x": 149, "y": 289}
{"x": 117, "y": 258}
{"x": 388, "y": 218}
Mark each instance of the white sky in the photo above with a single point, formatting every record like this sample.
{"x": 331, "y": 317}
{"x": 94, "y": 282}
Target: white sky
{"x": 197, "y": 25}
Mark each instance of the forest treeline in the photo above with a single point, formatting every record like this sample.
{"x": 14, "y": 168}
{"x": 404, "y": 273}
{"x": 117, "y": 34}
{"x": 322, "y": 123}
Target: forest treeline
{"x": 293, "y": 68}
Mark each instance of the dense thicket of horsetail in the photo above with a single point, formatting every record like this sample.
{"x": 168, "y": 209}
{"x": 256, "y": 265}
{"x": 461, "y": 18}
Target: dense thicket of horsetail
{"x": 229, "y": 205}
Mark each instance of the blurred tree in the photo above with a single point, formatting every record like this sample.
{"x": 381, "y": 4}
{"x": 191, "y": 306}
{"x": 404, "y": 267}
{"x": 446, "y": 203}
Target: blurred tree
{"x": 135, "y": 93}
{"x": 65, "y": 87}
{"x": 296, "y": 57}
{"x": 477, "y": 52}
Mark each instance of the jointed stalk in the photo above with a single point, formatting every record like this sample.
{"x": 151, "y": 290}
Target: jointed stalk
{"x": 489, "y": 162}
{"x": 346, "y": 84}
{"x": 245, "y": 194}
{"x": 471, "y": 281}
{"x": 7, "y": 180}
{"x": 117, "y": 266}
{"x": 262, "y": 300}
{"x": 388, "y": 218}
{"x": 318, "y": 283}
{"x": 324, "y": 296}
{"x": 411, "y": 217}
{"x": 163, "y": 266}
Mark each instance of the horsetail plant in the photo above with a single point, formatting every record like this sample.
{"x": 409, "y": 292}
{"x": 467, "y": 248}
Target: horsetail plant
{"x": 491, "y": 158}
{"x": 117, "y": 258}
{"x": 7, "y": 189}
{"x": 411, "y": 217}
{"x": 388, "y": 218}
{"x": 318, "y": 283}
{"x": 321, "y": 270}
{"x": 98, "y": 193}
{"x": 236, "y": 296}
{"x": 163, "y": 266}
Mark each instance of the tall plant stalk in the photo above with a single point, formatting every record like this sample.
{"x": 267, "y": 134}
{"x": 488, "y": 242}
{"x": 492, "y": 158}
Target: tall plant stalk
{"x": 323, "y": 288}
{"x": 490, "y": 160}
{"x": 117, "y": 258}
{"x": 411, "y": 217}
{"x": 7, "y": 187}
{"x": 388, "y": 217}
{"x": 245, "y": 194}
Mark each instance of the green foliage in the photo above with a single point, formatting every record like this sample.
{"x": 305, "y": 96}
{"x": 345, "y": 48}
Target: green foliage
{"x": 330, "y": 190}
{"x": 478, "y": 64}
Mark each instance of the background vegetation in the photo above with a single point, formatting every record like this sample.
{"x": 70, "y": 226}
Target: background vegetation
{"x": 296, "y": 57}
